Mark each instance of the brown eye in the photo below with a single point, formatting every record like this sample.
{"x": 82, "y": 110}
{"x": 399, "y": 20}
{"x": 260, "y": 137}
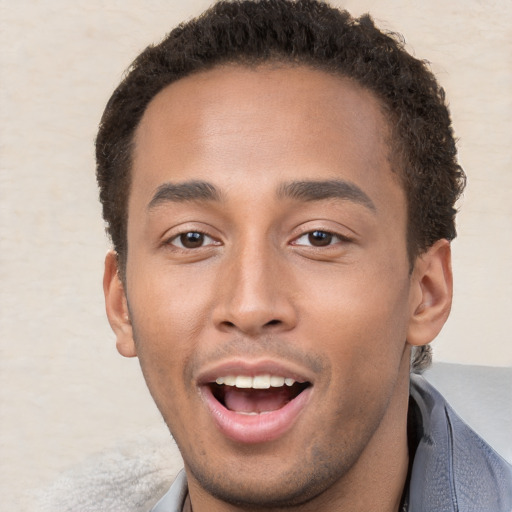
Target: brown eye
{"x": 320, "y": 238}
{"x": 191, "y": 240}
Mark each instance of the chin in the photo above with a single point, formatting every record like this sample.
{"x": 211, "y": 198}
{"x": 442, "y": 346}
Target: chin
{"x": 271, "y": 486}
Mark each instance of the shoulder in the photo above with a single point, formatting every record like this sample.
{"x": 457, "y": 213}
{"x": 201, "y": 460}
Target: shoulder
{"x": 454, "y": 469}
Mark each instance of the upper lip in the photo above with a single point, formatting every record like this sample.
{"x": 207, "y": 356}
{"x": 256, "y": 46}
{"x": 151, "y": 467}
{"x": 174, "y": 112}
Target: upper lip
{"x": 252, "y": 368}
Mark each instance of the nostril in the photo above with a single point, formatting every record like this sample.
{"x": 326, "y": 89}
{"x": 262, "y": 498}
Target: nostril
{"x": 251, "y": 324}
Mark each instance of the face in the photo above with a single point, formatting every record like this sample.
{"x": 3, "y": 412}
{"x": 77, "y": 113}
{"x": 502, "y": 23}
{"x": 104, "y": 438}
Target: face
{"x": 267, "y": 280}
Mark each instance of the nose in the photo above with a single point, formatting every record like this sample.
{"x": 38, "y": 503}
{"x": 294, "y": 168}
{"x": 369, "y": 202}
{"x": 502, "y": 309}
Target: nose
{"x": 255, "y": 293}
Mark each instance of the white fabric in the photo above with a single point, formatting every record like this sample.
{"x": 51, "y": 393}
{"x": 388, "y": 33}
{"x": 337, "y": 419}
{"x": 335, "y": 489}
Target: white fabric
{"x": 128, "y": 477}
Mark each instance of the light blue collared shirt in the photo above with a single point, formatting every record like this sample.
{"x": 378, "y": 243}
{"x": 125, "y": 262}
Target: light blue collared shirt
{"x": 175, "y": 497}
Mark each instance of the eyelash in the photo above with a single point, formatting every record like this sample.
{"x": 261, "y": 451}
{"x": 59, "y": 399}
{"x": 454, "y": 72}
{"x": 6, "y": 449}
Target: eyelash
{"x": 323, "y": 235}
{"x": 178, "y": 240}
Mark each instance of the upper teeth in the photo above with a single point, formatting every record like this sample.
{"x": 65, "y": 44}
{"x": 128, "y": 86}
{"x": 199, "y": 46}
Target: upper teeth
{"x": 256, "y": 382}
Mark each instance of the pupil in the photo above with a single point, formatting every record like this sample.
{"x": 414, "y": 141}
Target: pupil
{"x": 320, "y": 238}
{"x": 192, "y": 240}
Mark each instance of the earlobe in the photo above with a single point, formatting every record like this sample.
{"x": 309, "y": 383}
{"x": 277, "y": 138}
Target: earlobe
{"x": 117, "y": 307}
{"x": 432, "y": 294}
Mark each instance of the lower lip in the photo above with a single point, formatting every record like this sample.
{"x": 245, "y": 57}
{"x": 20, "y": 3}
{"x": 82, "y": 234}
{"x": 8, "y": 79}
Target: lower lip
{"x": 258, "y": 428}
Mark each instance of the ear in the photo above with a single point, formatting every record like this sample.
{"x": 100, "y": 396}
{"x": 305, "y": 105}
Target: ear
{"x": 431, "y": 295}
{"x": 117, "y": 306}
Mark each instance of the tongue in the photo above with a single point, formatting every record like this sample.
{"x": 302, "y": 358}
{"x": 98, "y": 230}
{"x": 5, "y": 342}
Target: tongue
{"x": 256, "y": 400}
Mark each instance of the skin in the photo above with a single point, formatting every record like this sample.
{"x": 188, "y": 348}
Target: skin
{"x": 259, "y": 287}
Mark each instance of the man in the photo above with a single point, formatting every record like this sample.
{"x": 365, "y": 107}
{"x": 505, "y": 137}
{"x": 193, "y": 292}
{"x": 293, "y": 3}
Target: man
{"x": 278, "y": 180}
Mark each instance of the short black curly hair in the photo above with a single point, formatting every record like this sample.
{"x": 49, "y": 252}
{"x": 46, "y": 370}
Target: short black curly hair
{"x": 314, "y": 34}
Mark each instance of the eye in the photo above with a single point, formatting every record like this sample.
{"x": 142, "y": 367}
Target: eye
{"x": 192, "y": 240}
{"x": 319, "y": 238}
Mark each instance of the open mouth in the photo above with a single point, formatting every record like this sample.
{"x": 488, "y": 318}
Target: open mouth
{"x": 255, "y": 402}
{"x": 256, "y": 395}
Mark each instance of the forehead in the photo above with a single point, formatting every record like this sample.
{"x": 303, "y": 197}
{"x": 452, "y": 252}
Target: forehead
{"x": 252, "y": 121}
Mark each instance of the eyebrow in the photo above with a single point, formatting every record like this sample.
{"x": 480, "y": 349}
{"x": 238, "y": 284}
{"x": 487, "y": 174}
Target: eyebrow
{"x": 329, "y": 189}
{"x": 183, "y": 192}
{"x": 299, "y": 190}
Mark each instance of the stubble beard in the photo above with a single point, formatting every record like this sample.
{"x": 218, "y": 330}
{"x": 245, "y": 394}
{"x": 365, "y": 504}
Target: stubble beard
{"x": 314, "y": 473}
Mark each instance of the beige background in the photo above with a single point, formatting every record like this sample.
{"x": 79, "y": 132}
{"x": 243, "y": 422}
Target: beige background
{"x": 64, "y": 391}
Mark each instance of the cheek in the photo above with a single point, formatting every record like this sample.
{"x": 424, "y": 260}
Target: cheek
{"x": 360, "y": 319}
{"x": 170, "y": 305}
{"x": 164, "y": 332}
{"x": 361, "y": 329}
{"x": 168, "y": 313}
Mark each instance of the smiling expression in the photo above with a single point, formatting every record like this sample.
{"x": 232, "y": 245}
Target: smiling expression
{"x": 268, "y": 282}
